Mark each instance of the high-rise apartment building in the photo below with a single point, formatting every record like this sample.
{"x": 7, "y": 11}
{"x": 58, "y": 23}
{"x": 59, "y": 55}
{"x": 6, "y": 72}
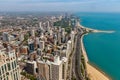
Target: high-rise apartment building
{"x": 63, "y": 35}
{"x": 69, "y": 48}
{"x": 5, "y": 36}
{"x": 40, "y": 26}
{"x": 43, "y": 70}
{"x": 32, "y": 32}
{"x": 48, "y": 26}
{"x": 31, "y": 67}
{"x": 9, "y": 70}
{"x": 72, "y": 37}
{"x": 31, "y": 46}
{"x": 21, "y": 37}
{"x": 42, "y": 45}
{"x": 53, "y": 70}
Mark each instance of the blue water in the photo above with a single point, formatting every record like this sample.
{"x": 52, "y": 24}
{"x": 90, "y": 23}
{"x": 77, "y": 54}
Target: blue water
{"x": 103, "y": 49}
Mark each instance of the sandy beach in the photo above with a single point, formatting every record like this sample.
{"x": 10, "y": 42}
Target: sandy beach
{"x": 93, "y": 72}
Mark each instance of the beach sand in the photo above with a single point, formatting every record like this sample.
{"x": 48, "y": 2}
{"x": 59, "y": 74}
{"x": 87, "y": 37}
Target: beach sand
{"x": 93, "y": 73}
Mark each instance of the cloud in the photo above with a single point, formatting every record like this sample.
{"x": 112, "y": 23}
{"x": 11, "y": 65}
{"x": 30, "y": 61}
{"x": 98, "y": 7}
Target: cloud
{"x": 43, "y": 6}
{"x": 59, "y": 5}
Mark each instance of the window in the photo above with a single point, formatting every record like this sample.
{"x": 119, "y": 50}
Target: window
{"x": 7, "y": 78}
{"x": 16, "y": 76}
{"x": 63, "y": 70}
{"x": 12, "y": 65}
{"x": 9, "y": 68}
{"x": 2, "y": 69}
{"x": 15, "y": 64}
{"x": 1, "y": 78}
{"x": 5, "y": 67}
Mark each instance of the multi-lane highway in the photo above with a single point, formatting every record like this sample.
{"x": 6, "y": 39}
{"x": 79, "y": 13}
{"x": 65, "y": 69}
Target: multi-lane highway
{"x": 76, "y": 61}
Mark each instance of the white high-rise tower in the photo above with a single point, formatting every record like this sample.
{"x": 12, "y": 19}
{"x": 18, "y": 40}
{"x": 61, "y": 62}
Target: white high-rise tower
{"x": 9, "y": 69}
{"x": 48, "y": 26}
{"x": 40, "y": 25}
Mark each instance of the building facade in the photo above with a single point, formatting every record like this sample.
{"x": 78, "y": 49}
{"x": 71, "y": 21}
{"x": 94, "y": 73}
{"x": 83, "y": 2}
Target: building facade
{"x": 55, "y": 70}
{"x": 9, "y": 70}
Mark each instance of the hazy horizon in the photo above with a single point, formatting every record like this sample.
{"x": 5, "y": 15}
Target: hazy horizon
{"x": 60, "y": 5}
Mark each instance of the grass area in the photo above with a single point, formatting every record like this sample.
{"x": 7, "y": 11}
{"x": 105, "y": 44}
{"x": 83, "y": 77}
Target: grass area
{"x": 29, "y": 76}
{"x": 26, "y": 37}
{"x": 64, "y": 23}
{"x": 0, "y": 33}
{"x": 73, "y": 78}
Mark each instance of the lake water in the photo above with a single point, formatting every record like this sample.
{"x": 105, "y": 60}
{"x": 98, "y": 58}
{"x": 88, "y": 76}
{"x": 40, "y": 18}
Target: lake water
{"x": 103, "y": 49}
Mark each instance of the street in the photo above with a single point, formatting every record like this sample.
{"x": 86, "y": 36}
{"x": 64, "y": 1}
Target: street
{"x": 76, "y": 61}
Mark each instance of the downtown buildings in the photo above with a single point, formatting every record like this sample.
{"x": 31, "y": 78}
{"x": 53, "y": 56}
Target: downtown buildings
{"x": 41, "y": 51}
{"x": 9, "y": 69}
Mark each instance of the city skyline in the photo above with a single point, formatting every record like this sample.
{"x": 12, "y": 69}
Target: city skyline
{"x": 47, "y": 40}
{"x": 61, "y": 5}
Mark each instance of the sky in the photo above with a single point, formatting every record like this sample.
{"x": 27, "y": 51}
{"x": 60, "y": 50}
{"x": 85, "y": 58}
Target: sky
{"x": 61, "y": 5}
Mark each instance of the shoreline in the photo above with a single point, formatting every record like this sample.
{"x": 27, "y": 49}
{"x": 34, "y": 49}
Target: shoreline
{"x": 96, "y": 30}
{"x": 93, "y": 71}
{"x": 96, "y": 67}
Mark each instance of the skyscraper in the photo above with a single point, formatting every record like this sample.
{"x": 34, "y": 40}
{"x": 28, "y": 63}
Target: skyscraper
{"x": 72, "y": 37}
{"x": 31, "y": 67}
{"x": 53, "y": 70}
{"x": 63, "y": 35}
{"x": 5, "y": 36}
{"x": 30, "y": 45}
{"x": 42, "y": 45}
{"x": 21, "y": 37}
{"x": 32, "y": 32}
{"x": 69, "y": 48}
{"x": 48, "y": 26}
{"x": 9, "y": 70}
{"x": 40, "y": 26}
{"x": 43, "y": 70}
